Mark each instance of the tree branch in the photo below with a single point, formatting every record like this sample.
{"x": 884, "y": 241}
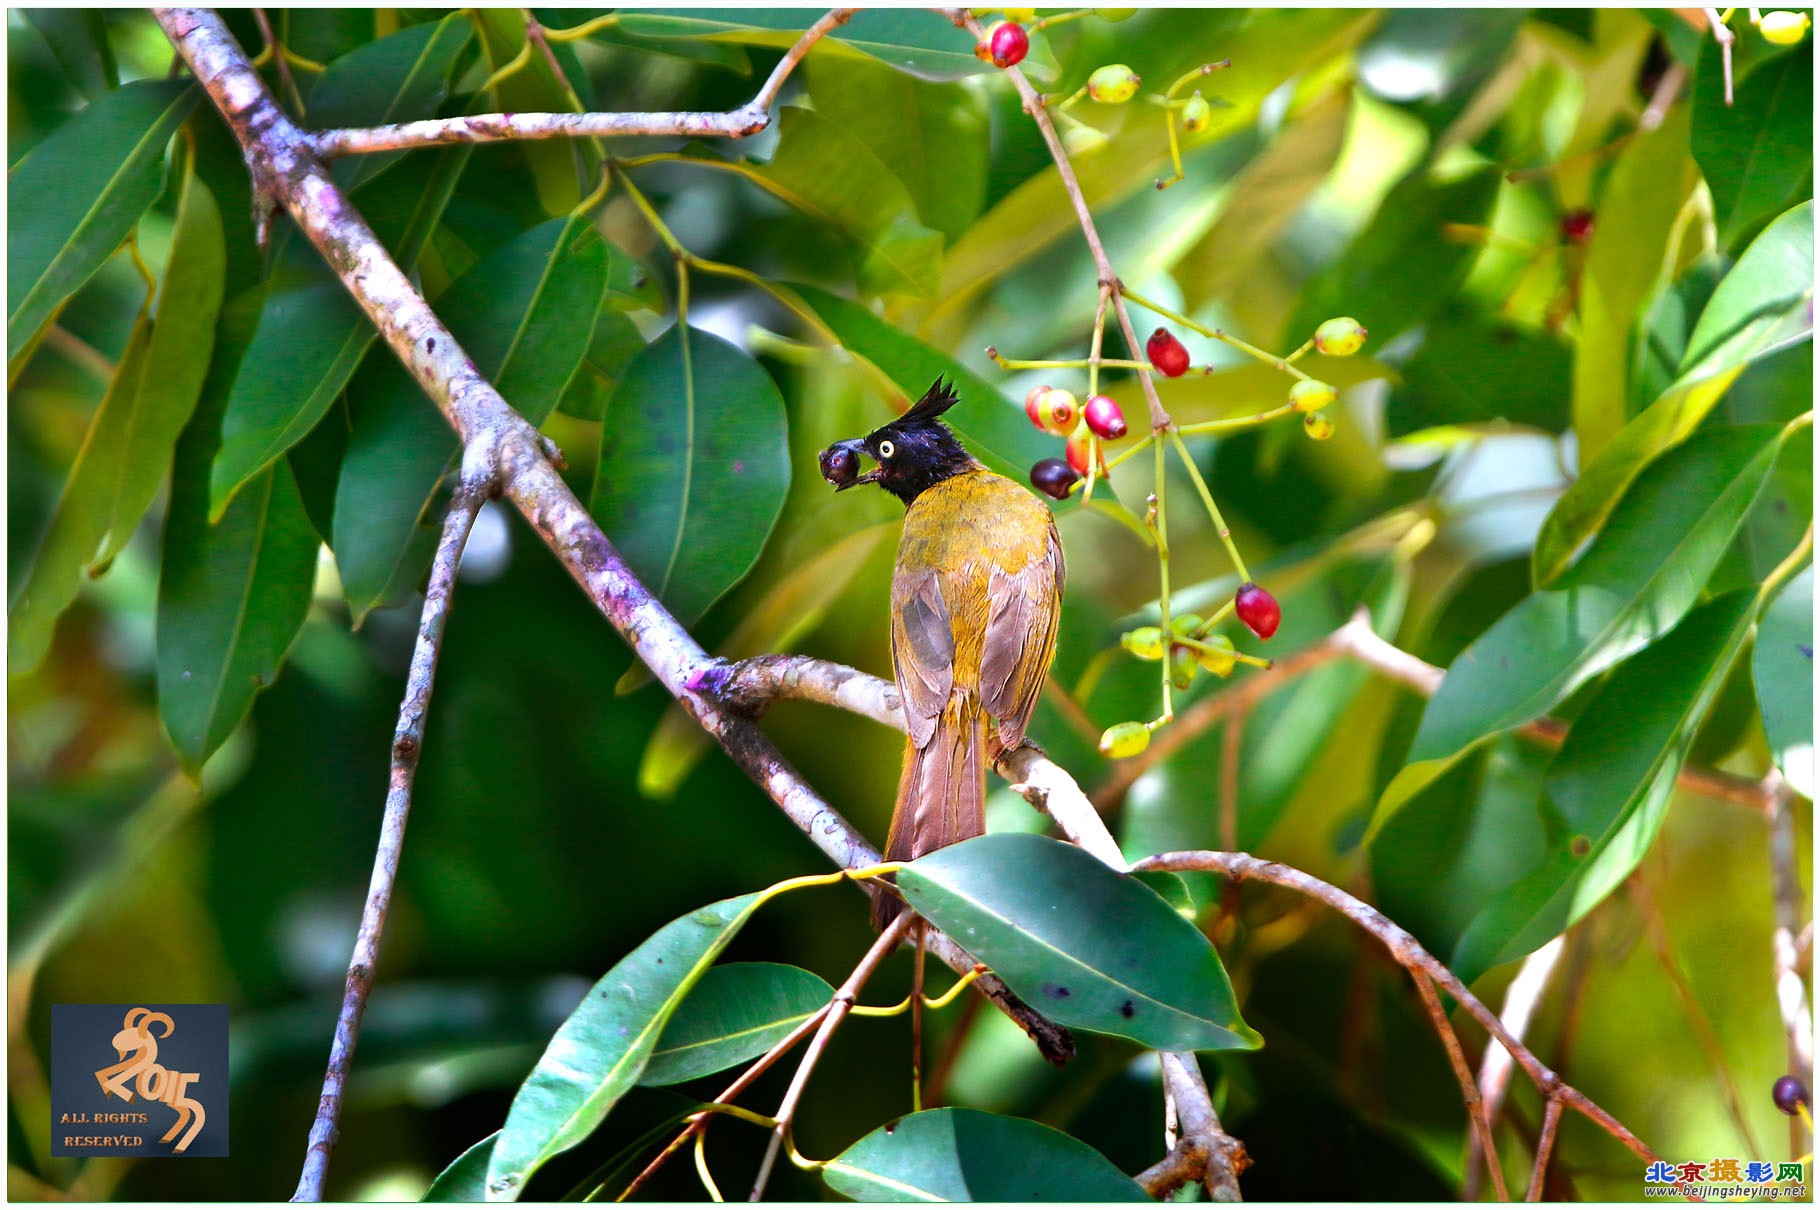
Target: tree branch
{"x": 1791, "y": 906}
{"x": 748, "y": 119}
{"x": 407, "y": 746}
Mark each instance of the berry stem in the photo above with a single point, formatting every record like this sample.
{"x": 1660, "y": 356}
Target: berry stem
{"x": 1073, "y": 363}
{"x": 1194, "y": 73}
{"x": 1159, "y": 524}
{"x": 1213, "y": 510}
{"x": 1175, "y": 160}
{"x": 1301, "y": 352}
{"x": 1237, "y": 423}
{"x": 1059, "y": 19}
{"x": 677, "y": 252}
{"x": 1099, "y": 339}
{"x": 1213, "y": 333}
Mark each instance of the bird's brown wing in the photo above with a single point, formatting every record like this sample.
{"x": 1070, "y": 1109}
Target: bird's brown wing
{"x": 922, "y": 650}
{"x": 1020, "y": 638}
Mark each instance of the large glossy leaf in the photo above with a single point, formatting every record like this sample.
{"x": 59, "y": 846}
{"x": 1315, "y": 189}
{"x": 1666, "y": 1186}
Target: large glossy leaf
{"x": 1085, "y": 945}
{"x": 465, "y": 1179}
{"x": 232, "y": 595}
{"x": 1401, "y": 268}
{"x": 1474, "y": 371}
{"x": 313, "y": 336}
{"x": 736, "y": 1012}
{"x": 77, "y": 39}
{"x": 932, "y": 137}
{"x": 1756, "y": 151}
{"x": 1783, "y": 667}
{"x": 1762, "y": 305}
{"x": 1625, "y": 264}
{"x": 968, "y": 1155}
{"x": 601, "y": 1050}
{"x": 131, "y": 439}
{"x": 75, "y": 197}
{"x": 560, "y": 168}
{"x": 524, "y": 314}
{"x": 794, "y": 607}
{"x": 995, "y": 429}
{"x": 693, "y": 467}
{"x": 398, "y": 78}
{"x": 1609, "y": 787}
{"x": 919, "y": 42}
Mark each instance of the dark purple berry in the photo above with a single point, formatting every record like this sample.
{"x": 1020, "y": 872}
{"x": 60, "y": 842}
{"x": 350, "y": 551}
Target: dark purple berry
{"x": 1053, "y": 478}
{"x": 1790, "y": 1093}
{"x": 1577, "y": 226}
{"x": 840, "y": 465}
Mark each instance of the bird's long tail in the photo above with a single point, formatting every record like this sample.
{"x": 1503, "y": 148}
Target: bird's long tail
{"x": 942, "y": 797}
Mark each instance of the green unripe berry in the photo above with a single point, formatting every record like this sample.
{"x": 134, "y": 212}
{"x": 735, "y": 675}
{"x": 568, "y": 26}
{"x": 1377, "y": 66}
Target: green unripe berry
{"x": 1021, "y": 15}
{"x": 1340, "y": 337}
{"x": 1784, "y": 28}
{"x": 1115, "y": 14}
{"x": 1221, "y": 657}
{"x": 1317, "y": 426}
{"x": 1184, "y": 661}
{"x": 1196, "y": 114}
{"x": 1185, "y": 623}
{"x": 1146, "y": 642}
{"x": 1308, "y": 395}
{"x": 1113, "y": 84}
{"x": 1122, "y": 740}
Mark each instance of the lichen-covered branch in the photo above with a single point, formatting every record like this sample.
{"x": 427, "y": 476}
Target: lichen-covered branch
{"x": 748, "y": 119}
{"x": 407, "y": 747}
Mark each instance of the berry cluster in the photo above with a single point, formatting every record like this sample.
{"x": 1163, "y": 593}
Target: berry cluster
{"x": 1055, "y": 411}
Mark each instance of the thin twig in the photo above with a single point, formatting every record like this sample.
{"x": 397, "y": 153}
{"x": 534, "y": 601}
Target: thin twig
{"x": 407, "y": 746}
{"x": 838, "y": 1008}
{"x": 1791, "y": 904}
{"x": 1545, "y": 1148}
{"x": 1520, "y": 1003}
{"x": 1723, "y": 35}
{"x": 278, "y": 59}
{"x": 1409, "y": 954}
{"x": 748, "y": 119}
{"x": 1469, "y": 1090}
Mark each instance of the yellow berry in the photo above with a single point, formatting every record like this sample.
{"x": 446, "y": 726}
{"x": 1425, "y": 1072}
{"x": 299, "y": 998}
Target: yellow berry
{"x": 1020, "y": 15}
{"x": 1309, "y": 395}
{"x": 1146, "y": 642}
{"x": 1113, "y": 84}
{"x": 1221, "y": 657}
{"x": 1122, "y": 740}
{"x": 1196, "y": 114}
{"x": 1340, "y": 337}
{"x": 1185, "y": 623}
{"x": 1317, "y": 426}
{"x": 1115, "y": 14}
{"x": 1784, "y": 28}
{"x": 1183, "y": 661}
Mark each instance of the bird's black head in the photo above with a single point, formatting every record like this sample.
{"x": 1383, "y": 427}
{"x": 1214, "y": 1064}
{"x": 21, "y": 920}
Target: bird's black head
{"x": 914, "y": 452}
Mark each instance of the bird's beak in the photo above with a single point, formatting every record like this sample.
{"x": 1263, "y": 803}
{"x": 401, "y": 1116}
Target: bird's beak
{"x": 839, "y": 461}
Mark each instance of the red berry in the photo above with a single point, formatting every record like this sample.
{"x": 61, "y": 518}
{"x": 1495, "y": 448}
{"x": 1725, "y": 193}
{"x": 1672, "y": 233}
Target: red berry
{"x": 1167, "y": 354}
{"x": 1789, "y": 1093}
{"x": 1031, "y": 402}
{"x": 1105, "y": 417}
{"x": 1053, "y": 477}
{"x": 840, "y": 465}
{"x": 1576, "y": 226}
{"x": 1008, "y": 44}
{"x": 1080, "y": 446}
{"x": 1258, "y": 610}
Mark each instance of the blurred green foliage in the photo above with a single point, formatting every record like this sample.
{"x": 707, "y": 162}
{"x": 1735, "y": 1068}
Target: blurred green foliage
{"x": 1580, "y": 269}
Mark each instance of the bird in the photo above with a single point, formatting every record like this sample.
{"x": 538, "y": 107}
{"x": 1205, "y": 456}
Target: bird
{"x": 976, "y": 598}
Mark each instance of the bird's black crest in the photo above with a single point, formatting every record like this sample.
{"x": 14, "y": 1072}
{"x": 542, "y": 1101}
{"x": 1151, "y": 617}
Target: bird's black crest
{"x": 937, "y": 399}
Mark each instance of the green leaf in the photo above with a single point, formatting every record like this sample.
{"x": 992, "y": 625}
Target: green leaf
{"x": 1401, "y": 268}
{"x": 232, "y": 595}
{"x": 313, "y": 336}
{"x": 736, "y": 1012}
{"x": 968, "y": 1155}
{"x": 1609, "y": 787}
{"x": 794, "y": 606}
{"x": 693, "y": 467}
{"x": 921, "y": 43}
{"x": 1761, "y": 306}
{"x": 524, "y": 314}
{"x": 465, "y": 1179}
{"x": 558, "y": 166}
{"x": 1783, "y": 667}
{"x": 600, "y": 1051}
{"x": 77, "y": 195}
{"x": 1085, "y": 945}
{"x": 1625, "y": 265}
{"x": 401, "y": 77}
{"x": 611, "y": 348}
{"x": 1757, "y": 151}
{"x": 130, "y": 442}
{"x": 932, "y": 137}
{"x": 1643, "y": 573}
{"x": 996, "y": 431}
{"x": 77, "y": 38}
{"x": 1474, "y": 370}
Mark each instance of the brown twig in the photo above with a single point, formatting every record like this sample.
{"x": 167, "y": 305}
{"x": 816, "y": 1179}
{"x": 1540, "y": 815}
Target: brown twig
{"x": 748, "y": 119}
{"x": 1723, "y": 35}
{"x": 1469, "y": 1090}
{"x": 1791, "y": 904}
{"x": 278, "y": 59}
{"x": 1545, "y": 1148}
{"x": 407, "y": 746}
{"x": 1409, "y": 954}
{"x": 1495, "y": 1068}
{"x": 838, "y": 1008}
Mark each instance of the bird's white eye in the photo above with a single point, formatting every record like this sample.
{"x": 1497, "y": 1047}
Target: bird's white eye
{"x": 886, "y": 449}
